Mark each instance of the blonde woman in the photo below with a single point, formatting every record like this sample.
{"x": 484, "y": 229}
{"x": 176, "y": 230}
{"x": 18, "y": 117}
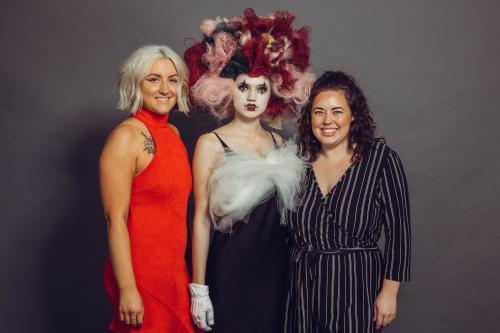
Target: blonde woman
{"x": 145, "y": 183}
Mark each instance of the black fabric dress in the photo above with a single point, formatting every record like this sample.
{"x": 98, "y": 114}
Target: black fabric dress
{"x": 336, "y": 268}
{"x": 246, "y": 272}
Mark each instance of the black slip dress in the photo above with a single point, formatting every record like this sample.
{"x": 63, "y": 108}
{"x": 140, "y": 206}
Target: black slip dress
{"x": 246, "y": 271}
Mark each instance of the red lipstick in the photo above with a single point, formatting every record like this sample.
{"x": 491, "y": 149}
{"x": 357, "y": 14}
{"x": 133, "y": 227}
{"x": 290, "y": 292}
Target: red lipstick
{"x": 250, "y": 107}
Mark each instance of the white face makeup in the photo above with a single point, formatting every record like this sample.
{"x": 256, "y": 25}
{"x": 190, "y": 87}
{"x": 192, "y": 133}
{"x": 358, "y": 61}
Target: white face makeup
{"x": 251, "y": 95}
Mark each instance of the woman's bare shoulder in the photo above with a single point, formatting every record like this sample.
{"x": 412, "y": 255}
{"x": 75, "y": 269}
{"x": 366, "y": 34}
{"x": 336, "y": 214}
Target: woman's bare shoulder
{"x": 124, "y": 137}
{"x": 208, "y": 142}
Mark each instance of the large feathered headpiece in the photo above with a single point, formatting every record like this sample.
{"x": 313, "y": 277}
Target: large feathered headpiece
{"x": 254, "y": 45}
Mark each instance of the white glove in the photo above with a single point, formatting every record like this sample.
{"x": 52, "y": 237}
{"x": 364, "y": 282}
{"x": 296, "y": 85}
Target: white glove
{"x": 202, "y": 310}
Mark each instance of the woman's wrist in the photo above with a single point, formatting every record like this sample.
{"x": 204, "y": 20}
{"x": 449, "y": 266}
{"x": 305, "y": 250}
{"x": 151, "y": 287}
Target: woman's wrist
{"x": 128, "y": 287}
{"x": 390, "y": 287}
{"x": 198, "y": 280}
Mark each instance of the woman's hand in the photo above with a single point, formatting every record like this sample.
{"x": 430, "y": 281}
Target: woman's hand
{"x": 131, "y": 309}
{"x": 385, "y": 306}
{"x": 202, "y": 311}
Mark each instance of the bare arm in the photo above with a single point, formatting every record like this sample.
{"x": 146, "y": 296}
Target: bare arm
{"x": 116, "y": 171}
{"x": 208, "y": 150}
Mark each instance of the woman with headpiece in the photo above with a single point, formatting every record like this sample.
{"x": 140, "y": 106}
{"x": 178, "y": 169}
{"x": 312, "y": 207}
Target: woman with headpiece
{"x": 354, "y": 188}
{"x": 145, "y": 184}
{"x": 249, "y": 68}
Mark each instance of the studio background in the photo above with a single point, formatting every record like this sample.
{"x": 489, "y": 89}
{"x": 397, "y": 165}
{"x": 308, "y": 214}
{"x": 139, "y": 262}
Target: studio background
{"x": 430, "y": 70}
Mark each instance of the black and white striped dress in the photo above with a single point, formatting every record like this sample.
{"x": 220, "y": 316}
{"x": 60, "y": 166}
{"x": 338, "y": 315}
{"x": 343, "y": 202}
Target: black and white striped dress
{"x": 336, "y": 268}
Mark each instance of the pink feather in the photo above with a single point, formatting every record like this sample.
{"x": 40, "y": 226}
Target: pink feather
{"x": 301, "y": 88}
{"x": 218, "y": 55}
{"x": 214, "y": 92}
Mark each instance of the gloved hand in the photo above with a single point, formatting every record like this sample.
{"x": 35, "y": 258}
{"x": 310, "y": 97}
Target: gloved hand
{"x": 202, "y": 310}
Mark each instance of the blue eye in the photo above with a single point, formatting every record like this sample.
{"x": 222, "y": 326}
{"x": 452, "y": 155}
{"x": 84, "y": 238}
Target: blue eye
{"x": 262, "y": 90}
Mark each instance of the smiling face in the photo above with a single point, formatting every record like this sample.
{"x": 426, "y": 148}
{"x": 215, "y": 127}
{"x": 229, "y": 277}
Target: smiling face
{"x": 251, "y": 95}
{"x": 159, "y": 87}
{"x": 331, "y": 118}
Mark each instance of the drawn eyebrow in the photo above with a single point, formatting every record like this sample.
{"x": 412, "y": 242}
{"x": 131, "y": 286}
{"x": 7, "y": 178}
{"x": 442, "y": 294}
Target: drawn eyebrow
{"x": 242, "y": 83}
{"x": 263, "y": 85}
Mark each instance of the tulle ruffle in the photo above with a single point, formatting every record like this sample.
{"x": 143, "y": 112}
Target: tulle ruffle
{"x": 240, "y": 182}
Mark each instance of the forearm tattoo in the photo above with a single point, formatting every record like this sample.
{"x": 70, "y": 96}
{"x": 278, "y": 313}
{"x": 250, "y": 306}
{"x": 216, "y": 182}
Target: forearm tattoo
{"x": 149, "y": 144}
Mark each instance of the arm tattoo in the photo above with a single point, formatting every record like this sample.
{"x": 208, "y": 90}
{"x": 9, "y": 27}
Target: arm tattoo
{"x": 149, "y": 144}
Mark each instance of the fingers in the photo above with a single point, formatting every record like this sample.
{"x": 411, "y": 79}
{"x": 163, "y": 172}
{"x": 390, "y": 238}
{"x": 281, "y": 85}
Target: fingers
{"x": 122, "y": 316}
{"x": 132, "y": 318}
{"x": 202, "y": 311}
{"x": 202, "y": 319}
{"x": 201, "y": 323}
{"x": 384, "y": 320}
{"x": 390, "y": 318}
{"x": 127, "y": 318}
{"x": 379, "y": 321}
{"x": 140, "y": 318}
{"x": 194, "y": 313}
{"x": 136, "y": 318}
{"x": 210, "y": 316}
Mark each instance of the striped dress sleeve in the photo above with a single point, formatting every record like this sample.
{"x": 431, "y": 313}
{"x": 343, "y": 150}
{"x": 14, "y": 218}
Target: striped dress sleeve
{"x": 396, "y": 219}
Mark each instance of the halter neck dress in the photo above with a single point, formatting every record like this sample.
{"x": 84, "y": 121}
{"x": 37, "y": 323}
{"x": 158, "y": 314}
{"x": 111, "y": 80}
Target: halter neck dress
{"x": 157, "y": 226}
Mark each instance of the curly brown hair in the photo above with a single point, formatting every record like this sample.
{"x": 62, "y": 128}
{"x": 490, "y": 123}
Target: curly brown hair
{"x": 362, "y": 129}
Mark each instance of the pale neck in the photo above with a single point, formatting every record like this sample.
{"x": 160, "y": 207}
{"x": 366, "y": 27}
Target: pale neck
{"x": 246, "y": 126}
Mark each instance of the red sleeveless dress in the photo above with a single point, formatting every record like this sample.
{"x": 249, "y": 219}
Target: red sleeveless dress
{"x": 158, "y": 234}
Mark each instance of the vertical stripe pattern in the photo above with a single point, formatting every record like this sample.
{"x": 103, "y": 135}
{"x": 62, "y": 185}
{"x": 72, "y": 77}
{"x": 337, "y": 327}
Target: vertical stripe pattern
{"x": 333, "y": 286}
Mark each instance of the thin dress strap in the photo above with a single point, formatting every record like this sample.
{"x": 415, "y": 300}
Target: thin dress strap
{"x": 224, "y": 145}
{"x": 274, "y": 140}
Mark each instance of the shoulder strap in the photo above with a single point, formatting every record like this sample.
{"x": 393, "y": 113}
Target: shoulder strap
{"x": 274, "y": 139}
{"x": 224, "y": 145}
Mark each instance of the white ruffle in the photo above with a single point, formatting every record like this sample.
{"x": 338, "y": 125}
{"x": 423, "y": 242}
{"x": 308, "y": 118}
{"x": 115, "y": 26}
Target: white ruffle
{"x": 240, "y": 182}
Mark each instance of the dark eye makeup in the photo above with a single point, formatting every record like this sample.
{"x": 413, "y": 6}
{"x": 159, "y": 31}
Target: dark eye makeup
{"x": 262, "y": 89}
{"x": 243, "y": 86}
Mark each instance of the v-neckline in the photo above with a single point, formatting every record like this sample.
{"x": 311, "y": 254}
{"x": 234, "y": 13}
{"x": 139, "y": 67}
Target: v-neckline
{"x": 325, "y": 196}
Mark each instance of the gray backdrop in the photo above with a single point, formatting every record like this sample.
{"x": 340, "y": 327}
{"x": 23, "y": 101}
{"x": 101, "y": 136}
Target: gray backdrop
{"x": 429, "y": 68}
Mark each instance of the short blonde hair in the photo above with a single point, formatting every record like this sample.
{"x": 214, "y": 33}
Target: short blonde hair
{"x": 135, "y": 69}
